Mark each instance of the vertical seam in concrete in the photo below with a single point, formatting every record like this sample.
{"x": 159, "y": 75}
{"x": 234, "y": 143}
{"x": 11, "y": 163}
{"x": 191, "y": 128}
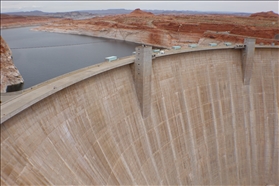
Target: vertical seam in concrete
{"x": 253, "y": 135}
{"x": 266, "y": 158}
{"x": 194, "y": 161}
{"x": 266, "y": 142}
{"x": 224, "y": 137}
{"x": 66, "y": 164}
{"x": 267, "y": 149}
{"x": 215, "y": 128}
{"x": 135, "y": 152}
{"x": 127, "y": 168}
{"x": 169, "y": 133}
{"x": 276, "y": 130}
{"x": 150, "y": 152}
{"x": 248, "y": 144}
{"x": 160, "y": 150}
{"x": 177, "y": 78}
{"x": 234, "y": 128}
{"x": 96, "y": 140}
{"x": 186, "y": 119}
{"x": 111, "y": 168}
{"x": 204, "y": 135}
{"x": 162, "y": 158}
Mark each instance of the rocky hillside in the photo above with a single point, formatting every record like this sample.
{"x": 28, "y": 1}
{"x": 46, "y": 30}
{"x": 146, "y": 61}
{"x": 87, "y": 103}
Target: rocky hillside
{"x": 269, "y": 14}
{"x": 168, "y": 30}
{"x": 139, "y": 12}
{"x": 9, "y": 73}
{"x": 11, "y": 21}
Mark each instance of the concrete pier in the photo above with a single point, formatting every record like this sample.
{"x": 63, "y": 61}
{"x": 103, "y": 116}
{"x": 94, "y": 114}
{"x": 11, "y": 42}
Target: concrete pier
{"x": 143, "y": 69}
{"x": 248, "y": 59}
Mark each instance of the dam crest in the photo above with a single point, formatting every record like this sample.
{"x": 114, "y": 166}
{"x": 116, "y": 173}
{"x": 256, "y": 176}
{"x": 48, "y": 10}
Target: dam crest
{"x": 187, "y": 117}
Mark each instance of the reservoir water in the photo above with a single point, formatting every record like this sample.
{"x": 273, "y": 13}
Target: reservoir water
{"x": 40, "y": 56}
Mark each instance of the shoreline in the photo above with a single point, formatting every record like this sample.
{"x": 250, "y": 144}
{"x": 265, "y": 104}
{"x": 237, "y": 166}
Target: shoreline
{"x": 75, "y": 32}
{"x": 84, "y": 33}
{"x": 19, "y": 26}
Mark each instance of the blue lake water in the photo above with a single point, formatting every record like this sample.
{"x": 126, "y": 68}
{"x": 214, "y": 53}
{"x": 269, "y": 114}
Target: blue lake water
{"x": 40, "y": 56}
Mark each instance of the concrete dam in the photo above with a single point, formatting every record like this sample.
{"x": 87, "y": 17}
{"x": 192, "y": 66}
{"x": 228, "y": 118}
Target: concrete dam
{"x": 201, "y": 116}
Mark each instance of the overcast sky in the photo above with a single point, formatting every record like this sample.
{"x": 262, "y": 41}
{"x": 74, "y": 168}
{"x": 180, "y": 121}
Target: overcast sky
{"x": 60, "y": 6}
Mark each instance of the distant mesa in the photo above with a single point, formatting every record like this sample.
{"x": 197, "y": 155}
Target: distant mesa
{"x": 269, "y": 14}
{"x": 141, "y": 13}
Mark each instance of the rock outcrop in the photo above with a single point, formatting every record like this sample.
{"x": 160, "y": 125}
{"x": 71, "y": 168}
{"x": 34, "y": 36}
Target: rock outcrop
{"x": 139, "y": 12}
{"x": 269, "y": 14}
{"x": 169, "y": 30}
{"x": 9, "y": 73}
{"x": 211, "y": 36}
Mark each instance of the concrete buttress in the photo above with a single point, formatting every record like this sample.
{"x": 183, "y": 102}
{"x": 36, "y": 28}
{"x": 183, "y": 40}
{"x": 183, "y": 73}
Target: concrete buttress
{"x": 248, "y": 59}
{"x": 143, "y": 69}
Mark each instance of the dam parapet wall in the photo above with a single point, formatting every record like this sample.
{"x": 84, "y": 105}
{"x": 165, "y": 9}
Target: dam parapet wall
{"x": 205, "y": 125}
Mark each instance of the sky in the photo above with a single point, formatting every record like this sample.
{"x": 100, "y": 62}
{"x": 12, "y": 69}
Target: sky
{"x": 64, "y": 6}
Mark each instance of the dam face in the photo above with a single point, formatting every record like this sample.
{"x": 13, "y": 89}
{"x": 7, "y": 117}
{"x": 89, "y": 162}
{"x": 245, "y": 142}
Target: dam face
{"x": 205, "y": 127}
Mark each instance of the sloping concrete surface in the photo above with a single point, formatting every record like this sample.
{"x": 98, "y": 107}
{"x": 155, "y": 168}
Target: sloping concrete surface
{"x": 205, "y": 127}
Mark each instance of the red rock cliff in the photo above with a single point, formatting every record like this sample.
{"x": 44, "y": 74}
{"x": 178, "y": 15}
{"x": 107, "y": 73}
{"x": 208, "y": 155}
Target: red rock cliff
{"x": 168, "y": 30}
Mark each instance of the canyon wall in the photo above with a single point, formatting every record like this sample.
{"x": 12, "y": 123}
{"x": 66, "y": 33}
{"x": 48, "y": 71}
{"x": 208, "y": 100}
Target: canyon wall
{"x": 15, "y": 21}
{"x": 9, "y": 73}
{"x": 205, "y": 127}
{"x": 169, "y": 30}
{"x": 147, "y": 37}
{"x": 165, "y": 35}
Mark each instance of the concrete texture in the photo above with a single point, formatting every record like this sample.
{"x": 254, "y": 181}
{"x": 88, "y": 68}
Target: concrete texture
{"x": 17, "y": 103}
{"x": 248, "y": 59}
{"x": 205, "y": 126}
{"x": 143, "y": 70}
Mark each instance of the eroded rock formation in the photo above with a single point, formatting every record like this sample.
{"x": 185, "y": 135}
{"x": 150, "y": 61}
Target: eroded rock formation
{"x": 12, "y": 21}
{"x": 169, "y": 30}
{"x": 9, "y": 73}
{"x": 269, "y": 14}
{"x": 139, "y": 12}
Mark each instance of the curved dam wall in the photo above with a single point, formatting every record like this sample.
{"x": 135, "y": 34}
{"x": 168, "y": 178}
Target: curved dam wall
{"x": 205, "y": 127}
